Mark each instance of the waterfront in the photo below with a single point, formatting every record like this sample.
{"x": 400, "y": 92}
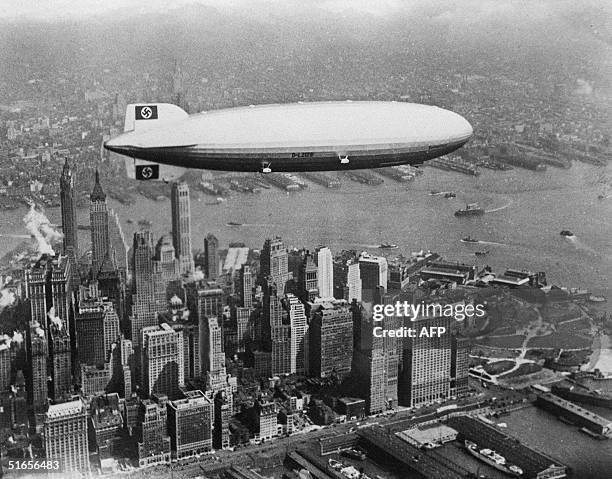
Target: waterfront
{"x": 589, "y": 458}
{"x": 525, "y": 212}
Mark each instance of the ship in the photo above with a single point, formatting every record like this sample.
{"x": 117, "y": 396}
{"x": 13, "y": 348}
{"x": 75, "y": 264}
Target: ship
{"x": 233, "y": 223}
{"x": 567, "y": 233}
{"x": 471, "y": 209}
{"x": 387, "y": 246}
{"x": 493, "y": 459}
{"x": 582, "y": 394}
{"x": 469, "y": 239}
{"x": 481, "y": 253}
{"x": 450, "y": 194}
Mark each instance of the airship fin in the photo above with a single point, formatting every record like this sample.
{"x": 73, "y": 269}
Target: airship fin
{"x": 144, "y": 116}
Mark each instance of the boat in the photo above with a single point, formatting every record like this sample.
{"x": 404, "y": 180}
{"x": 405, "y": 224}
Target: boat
{"x": 387, "y": 246}
{"x": 354, "y": 454}
{"x": 567, "y": 233}
{"x": 232, "y": 223}
{"x": 493, "y": 459}
{"x": 469, "y": 239}
{"x": 130, "y": 221}
{"x": 471, "y": 209}
{"x": 450, "y": 194}
{"x": 481, "y": 253}
{"x": 593, "y": 298}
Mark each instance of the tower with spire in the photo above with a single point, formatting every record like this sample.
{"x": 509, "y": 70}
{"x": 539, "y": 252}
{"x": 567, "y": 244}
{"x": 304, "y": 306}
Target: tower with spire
{"x": 98, "y": 217}
{"x": 68, "y": 207}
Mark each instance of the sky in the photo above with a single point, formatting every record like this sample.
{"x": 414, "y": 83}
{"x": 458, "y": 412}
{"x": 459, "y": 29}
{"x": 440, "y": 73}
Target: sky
{"x": 442, "y": 10}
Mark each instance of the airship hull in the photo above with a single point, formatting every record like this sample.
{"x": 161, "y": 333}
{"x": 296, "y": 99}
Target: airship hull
{"x": 298, "y": 137}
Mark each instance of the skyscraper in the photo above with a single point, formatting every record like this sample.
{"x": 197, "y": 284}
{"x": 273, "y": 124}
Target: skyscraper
{"x": 425, "y": 375}
{"x": 149, "y": 292}
{"x": 65, "y": 435}
{"x": 211, "y": 346}
{"x": 308, "y": 284}
{"x": 151, "y": 426}
{"x": 331, "y": 340}
{"x": 275, "y": 264}
{"x": 181, "y": 226}
{"x": 98, "y": 217}
{"x": 68, "y": 208}
{"x": 59, "y": 352}
{"x": 37, "y": 355}
{"x": 299, "y": 337}
{"x": 373, "y": 273}
{"x": 211, "y": 256}
{"x": 354, "y": 284}
{"x": 325, "y": 273}
{"x": 162, "y": 361}
{"x": 246, "y": 286}
{"x": 190, "y": 425}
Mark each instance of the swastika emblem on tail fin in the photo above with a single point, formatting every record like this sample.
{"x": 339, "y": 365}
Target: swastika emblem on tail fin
{"x": 146, "y": 112}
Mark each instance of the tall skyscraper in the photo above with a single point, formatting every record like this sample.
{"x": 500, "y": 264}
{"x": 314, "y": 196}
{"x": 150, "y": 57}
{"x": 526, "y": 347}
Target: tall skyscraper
{"x": 118, "y": 244}
{"x": 37, "y": 356}
{"x": 181, "y": 226}
{"x": 246, "y": 286}
{"x": 162, "y": 361}
{"x": 354, "y": 284}
{"x": 59, "y": 352}
{"x": 299, "y": 336}
{"x": 425, "y": 374}
{"x": 210, "y": 302}
{"x": 211, "y": 346}
{"x": 275, "y": 264}
{"x": 243, "y": 316}
{"x": 373, "y": 272}
{"x": 325, "y": 273}
{"x": 308, "y": 284}
{"x": 149, "y": 296}
{"x": 211, "y": 256}
{"x": 190, "y": 425}
{"x": 97, "y": 326}
{"x": 98, "y": 217}
{"x": 68, "y": 208}
{"x": 65, "y": 436}
{"x": 331, "y": 340}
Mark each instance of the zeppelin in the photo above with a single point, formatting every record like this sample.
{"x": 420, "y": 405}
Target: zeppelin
{"x": 315, "y": 136}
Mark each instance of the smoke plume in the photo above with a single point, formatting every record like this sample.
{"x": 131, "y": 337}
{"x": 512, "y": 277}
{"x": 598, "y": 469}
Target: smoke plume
{"x": 39, "y": 226}
{"x": 55, "y": 319}
{"x": 7, "y": 298}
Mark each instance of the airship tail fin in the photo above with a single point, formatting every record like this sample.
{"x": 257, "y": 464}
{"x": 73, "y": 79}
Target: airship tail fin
{"x": 141, "y": 117}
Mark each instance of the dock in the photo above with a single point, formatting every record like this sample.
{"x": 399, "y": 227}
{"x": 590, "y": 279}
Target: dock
{"x": 535, "y": 464}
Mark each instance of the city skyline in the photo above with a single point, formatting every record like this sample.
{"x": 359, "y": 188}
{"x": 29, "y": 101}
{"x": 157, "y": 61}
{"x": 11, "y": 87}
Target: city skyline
{"x": 223, "y": 324}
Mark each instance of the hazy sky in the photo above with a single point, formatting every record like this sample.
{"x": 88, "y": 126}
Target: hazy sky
{"x": 449, "y": 10}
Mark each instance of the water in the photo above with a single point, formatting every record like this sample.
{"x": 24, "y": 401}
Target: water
{"x": 588, "y": 457}
{"x": 526, "y": 211}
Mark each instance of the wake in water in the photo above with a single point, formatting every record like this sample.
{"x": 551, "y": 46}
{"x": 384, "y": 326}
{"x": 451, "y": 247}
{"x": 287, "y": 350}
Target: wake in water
{"x": 14, "y": 236}
{"x": 500, "y": 208}
{"x": 580, "y": 245}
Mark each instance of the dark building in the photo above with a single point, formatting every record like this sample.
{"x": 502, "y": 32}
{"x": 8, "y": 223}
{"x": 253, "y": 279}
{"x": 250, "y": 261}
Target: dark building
{"x": 460, "y": 365}
{"x": 98, "y": 217}
{"x": 190, "y": 425}
{"x": 68, "y": 208}
{"x": 211, "y": 256}
{"x": 104, "y": 425}
{"x": 331, "y": 339}
{"x": 37, "y": 355}
{"x": 308, "y": 283}
{"x": 61, "y": 372}
{"x": 151, "y": 432}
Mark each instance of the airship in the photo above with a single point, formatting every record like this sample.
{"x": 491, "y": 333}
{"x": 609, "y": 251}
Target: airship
{"x": 303, "y": 136}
